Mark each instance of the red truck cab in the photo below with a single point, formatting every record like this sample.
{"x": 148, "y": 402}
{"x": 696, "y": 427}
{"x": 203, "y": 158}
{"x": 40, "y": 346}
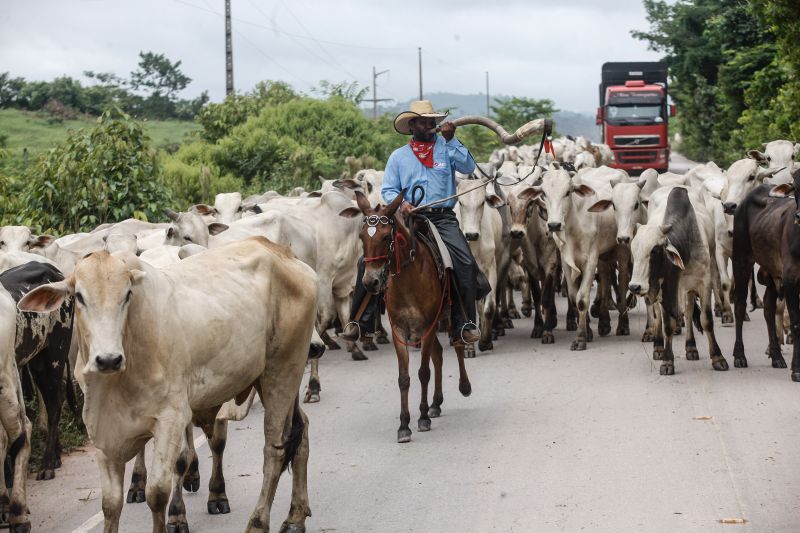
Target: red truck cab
{"x": 634, "y": 115}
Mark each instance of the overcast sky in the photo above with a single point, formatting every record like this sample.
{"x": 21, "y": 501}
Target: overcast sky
{"x": 534, "y": 48}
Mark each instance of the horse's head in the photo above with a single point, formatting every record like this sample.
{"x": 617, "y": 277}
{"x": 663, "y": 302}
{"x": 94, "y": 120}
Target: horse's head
{"x": 378, "y": 233}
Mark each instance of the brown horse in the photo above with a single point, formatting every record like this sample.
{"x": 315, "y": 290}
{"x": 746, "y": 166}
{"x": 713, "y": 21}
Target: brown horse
{"x": 415, "y": 297}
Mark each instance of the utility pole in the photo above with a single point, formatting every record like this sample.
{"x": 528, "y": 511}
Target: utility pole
{"x": 419, "y": 50}
{"x": 375, "y": 99}
{"x": 487, "y": 93}
{"x": 228, "y": 50}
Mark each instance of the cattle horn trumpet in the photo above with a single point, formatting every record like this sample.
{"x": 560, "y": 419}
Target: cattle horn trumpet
{"x": 539, "y": 125}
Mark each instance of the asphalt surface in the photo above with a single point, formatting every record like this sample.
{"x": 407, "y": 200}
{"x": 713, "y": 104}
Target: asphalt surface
{"x": 549, "y": 440}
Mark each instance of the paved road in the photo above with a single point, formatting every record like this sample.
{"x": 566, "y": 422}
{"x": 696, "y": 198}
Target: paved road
{"x": 679, "y": 164}
{"x": 550, "y": 440}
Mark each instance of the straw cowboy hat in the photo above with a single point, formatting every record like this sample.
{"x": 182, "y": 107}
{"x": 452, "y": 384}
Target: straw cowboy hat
{"x": 420, "y": 108}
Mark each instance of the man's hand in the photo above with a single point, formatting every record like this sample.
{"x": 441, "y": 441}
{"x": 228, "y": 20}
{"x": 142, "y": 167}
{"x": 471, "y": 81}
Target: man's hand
{"x": 448, "y": 130}
{"x": 406, "y": 209}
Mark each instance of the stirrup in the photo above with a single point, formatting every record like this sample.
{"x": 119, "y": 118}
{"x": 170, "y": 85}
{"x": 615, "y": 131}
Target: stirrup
{"x": 347, "y": 331}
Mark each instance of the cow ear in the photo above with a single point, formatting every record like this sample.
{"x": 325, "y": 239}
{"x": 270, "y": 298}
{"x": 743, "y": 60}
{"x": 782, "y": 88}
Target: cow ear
{"x": 42, "y": 241}
{"x": 314, "y": 194}
{"x": 600, "y": 206}
{"x": 530, "y": 193}
{"x": 350, "y": 212}
{"x": 215, "y": 228}
{"x": 347, "y": 184}
{"x": 203, "y": 209}
{"x": 137, "y": 276}
{"x": 665, "y": 229}
{"x": 45, "y": 298}
{"x": 494, "y": 201}
{"x": 250, "y": 206}
{"x": 782, "y": 191}
{"x": 758, "y": 156}
{"x": 674, "y": 256}
{"x": 583, "y": 190}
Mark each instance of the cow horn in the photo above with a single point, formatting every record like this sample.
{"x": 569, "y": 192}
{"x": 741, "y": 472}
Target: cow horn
{"x": 538, "y": 125}
{"x": 171, "y": 214}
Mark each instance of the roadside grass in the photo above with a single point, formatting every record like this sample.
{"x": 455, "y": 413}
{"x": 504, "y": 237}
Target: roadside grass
{"x": 39, "y": 132}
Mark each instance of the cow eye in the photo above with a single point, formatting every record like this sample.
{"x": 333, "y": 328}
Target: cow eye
{"x": 128, "y": 296}
{"x": 79, "y": 298}
{"x": 635, "y": 207}
{"x": 369, "y": 187}
{"x": 239, "y": 208}
{"x": 188, "y": 239}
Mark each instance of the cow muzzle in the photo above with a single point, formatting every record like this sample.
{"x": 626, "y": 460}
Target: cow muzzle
{"x": 637, "y": 289}
{"x": 472, "y": 236}
{"x": 729, "y": 208}
{"x": 624, "y": 240}
{"x": 108, "y": 363}
{"x": 554, "y": 226}
{"x": 517, "y": 234}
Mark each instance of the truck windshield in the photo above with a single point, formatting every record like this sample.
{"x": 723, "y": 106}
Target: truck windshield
{"x": 634, "y": 114}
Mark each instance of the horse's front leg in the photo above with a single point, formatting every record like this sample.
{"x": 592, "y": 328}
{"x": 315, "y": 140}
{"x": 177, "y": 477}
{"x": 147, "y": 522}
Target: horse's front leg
{"x": 404, "y": 382}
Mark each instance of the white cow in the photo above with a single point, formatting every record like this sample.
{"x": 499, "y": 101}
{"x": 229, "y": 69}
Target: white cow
{"x": 781, "y": 155}
{"x": 150, "y": 359}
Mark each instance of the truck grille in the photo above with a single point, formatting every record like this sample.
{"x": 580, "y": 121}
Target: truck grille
{"x": 636, "y": 156}
{"x": 637, "y": 140}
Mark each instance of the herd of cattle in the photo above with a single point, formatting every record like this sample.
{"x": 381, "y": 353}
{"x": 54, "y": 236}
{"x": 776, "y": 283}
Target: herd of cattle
{"x": 175, "y": 324}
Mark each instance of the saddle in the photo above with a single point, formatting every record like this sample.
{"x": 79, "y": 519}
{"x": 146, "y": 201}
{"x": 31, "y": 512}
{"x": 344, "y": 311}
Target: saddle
{"x": 426, "y": 232}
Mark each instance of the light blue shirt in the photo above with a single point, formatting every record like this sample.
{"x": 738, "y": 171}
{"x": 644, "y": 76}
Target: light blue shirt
{"x": 405, "y": 171}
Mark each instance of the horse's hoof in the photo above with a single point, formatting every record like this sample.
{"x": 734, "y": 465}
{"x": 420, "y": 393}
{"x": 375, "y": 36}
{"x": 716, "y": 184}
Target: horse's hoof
{"x": 465, "y": 387}
{"x": 796, "y": 377}
{"x": 740, "y": 362}
{"x": 778, "y": 362}
{"x": 526, "y": 311}
{"x": 178, "y": 527}
{"x": 578, "y": 346}
{"x": 667, "y": 369}
{"x": 403, "y": 436}
{"x": 536, "y": 332}
{"x": 368, "y": 345}
{"x": 358, "y": 355}
{"x": 311, "y": 397}
{"x": 45, "y": 474}
{"x": 135, "y": 496}
{"x": 485, "y": 346}
{"x": 292, "y": 528}
{"x": 719, "y": 363}
{"x": 382, "y": 338}
{"x": 423, "y": 424}
{"x": 434, "y": 412}
{"x": 572, "y": 326}
{"x": 604, "y": 329}
{"x": 514, "y": 314}
{"x": 548, "y": 338}
{"x": 218, "y": 507}
{"x": 692, "y": 354}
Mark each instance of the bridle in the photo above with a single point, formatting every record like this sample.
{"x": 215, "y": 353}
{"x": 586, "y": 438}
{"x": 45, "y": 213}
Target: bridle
{"x": 398, "y": 240}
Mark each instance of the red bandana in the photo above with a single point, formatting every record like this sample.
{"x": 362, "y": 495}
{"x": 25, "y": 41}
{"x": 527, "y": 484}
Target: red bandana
{"x": 423, "y": 151}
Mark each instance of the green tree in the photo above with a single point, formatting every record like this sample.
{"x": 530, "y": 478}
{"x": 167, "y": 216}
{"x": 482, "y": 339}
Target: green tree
{"x": 161, "y": 79}
{"x": 345, "y": 90}
{"x": 511, "y": 113}
{"x": 105, "y": 174}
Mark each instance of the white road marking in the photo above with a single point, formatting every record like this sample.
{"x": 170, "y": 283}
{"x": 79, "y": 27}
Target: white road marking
{"x": 96, "y": 519}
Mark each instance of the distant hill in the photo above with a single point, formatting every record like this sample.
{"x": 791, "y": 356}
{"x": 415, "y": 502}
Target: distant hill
{"x": 567, "y": 122}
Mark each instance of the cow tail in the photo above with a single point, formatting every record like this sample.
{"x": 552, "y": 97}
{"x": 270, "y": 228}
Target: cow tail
{"x": 71, "y": 400}
{"x": 696, "y": 317}
{"x": 292, "y": 444}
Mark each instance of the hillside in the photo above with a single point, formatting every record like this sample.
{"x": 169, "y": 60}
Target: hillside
{"x": 24, "y": 129}
{"x": 567, "y": 122}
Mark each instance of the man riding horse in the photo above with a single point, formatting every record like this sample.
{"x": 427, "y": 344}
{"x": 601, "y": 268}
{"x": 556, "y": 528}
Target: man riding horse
{"x": 429, "y": 161}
